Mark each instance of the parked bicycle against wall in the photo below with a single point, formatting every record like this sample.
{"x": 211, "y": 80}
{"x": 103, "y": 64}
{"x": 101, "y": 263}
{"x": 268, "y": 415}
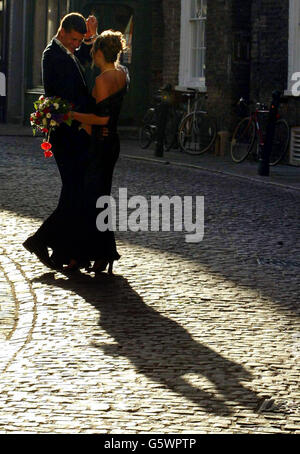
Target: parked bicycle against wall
{"x": 249, "y": 137}
{"x": 197, "y": 131}
{"x": 191, "y": 128}
{"x": 148, "y": 132}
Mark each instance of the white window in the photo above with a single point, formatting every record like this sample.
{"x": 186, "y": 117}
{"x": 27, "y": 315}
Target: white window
{"x": 192, "y": 43}
{"x": 294, "y": 48}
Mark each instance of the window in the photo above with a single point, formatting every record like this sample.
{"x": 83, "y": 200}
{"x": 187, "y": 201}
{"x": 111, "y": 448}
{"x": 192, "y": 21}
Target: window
{"x": 193, "y": 43}
{"x": 294, "y": 48}
{"x": 47, "y": 15}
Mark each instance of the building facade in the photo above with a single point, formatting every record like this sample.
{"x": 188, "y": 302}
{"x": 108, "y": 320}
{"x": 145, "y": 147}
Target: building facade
{"x": 26, "y": 26}
{"x": 225, "y": 48}
{"x": 233, "y": 48}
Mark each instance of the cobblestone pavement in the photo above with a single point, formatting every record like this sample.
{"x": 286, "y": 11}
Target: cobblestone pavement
{"x": 184, "y": 338}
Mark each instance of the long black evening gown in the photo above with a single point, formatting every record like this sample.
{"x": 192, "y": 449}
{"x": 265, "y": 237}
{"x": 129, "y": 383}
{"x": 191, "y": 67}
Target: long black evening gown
{"x": 103, "y": 154}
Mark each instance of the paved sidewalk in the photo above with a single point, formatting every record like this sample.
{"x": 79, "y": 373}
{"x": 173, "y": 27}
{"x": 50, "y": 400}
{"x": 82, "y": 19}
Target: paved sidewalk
{"x": 184, "y": 338}
{"x": 281, "y": 175}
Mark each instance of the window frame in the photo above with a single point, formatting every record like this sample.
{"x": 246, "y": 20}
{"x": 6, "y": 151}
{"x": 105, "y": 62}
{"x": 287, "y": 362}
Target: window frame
{"x": 293, "y": 49}
{"x": 185, "y": 62}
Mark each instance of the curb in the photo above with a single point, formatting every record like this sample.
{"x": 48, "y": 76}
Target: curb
{"x": 206, "y": 169}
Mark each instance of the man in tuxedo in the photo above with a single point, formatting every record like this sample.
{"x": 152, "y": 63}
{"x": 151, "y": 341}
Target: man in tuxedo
{"x": 63, "y": 76}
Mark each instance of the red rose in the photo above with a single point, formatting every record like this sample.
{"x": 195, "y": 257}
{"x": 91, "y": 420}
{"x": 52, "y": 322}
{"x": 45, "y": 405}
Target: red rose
{"x": 48, "y": 154}
{"x": 37, "y": 122}
{"x": 66, "y": 116}
{"x": 46, "y": 146}
{"x": 45, "y": 130}
{"x": 38, "y": 114}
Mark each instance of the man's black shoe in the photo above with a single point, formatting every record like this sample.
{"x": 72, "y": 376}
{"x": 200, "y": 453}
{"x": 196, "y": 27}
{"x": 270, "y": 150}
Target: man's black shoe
{"x": 57, "y": 261}
{"x": 36, "y": 247}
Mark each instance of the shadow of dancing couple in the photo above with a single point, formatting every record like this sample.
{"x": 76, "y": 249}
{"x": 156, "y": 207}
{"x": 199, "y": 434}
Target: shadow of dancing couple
{"x": 158, "y": 346}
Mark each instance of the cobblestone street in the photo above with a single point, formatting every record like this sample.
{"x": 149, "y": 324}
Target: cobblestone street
{"x": 184, "y": 338}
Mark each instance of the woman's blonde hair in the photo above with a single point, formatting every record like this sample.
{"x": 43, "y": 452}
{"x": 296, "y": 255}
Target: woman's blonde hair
{"x": 111, "y": 43}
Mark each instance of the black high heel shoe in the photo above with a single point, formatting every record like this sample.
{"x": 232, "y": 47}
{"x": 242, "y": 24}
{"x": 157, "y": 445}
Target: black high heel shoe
{"x": 100, "y": 265}
{"x": 73, "y": 266}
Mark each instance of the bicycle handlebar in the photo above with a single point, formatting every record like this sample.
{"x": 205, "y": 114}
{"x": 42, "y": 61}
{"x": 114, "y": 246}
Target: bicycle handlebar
{"x": 259, "y": 105}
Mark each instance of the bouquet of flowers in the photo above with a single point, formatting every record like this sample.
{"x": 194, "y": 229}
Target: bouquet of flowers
{"x": 50, "y": 113}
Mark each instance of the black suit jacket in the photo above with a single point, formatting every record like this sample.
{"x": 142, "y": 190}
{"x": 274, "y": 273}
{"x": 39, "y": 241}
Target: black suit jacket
{"x": 61, "y": 77}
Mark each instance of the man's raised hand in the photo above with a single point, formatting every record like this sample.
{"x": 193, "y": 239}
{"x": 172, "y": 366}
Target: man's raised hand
{"x": 91, "y": 25}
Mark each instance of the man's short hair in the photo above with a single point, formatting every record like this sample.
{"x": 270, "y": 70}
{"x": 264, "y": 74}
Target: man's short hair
{"x": 73, "y": 21}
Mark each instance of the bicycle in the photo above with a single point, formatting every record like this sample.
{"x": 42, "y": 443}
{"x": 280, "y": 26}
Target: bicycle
{"x": 249, "y": 130}
{"x": 148, "y": 132}
{"x": 197, "y": 131}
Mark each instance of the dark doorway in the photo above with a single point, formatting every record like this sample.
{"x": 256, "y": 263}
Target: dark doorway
{"x": 119, "y": 17}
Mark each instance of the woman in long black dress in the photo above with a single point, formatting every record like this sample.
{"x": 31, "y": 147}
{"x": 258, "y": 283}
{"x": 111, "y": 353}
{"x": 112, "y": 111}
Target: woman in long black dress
{"x": 101, "y": 125}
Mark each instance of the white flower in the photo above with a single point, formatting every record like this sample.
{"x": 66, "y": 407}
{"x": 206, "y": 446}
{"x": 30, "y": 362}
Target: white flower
{"x": 41, "y": 98}
{"x": 48, "y": 115}
{"x": 56, "y": 105}
{"x": 53, "y": 123}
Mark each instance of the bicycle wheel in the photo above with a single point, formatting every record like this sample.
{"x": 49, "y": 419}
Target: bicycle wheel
{"x": 145, "y": 136}
{"x": 170, "y": 131}
{"x": 280, "y": 141}
{"x": 197, "y": 133}
{"x": 242, "y": 140}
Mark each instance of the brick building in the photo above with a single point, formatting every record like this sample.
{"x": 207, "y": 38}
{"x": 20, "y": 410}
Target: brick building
{"x": 225, "y": 48}
{"x": 233, "y": 48}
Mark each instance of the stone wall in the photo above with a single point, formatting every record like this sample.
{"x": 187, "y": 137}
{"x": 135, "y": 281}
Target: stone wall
{"x": 227, "y": 58}
{"x": 171, "y": 42}
{"x": 246, "y": 54}
{"x": 269, "y": 56}
{"x": 157, "y": 46}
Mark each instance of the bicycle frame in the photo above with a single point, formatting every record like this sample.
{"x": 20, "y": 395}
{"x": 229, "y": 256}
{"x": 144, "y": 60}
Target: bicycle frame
{"x": 258, "y": 132}
{"x": 252, "y": 129}
{"x": 194, "y": 102}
